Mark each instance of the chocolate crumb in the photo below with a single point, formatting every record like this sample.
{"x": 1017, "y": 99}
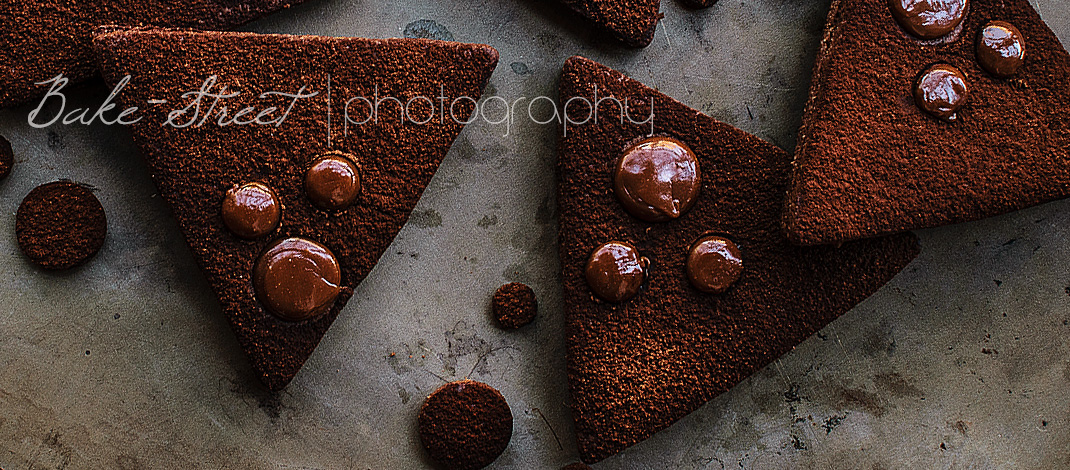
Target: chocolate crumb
{"x": 465, "y": 425}
{"x": 60, "y": 225}
{"x": 514, "y": 305}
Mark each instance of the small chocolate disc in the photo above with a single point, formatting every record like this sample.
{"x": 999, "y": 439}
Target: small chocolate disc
{"x": 333, "y": 182}
{"x": 251, "y": 210}
{"x": 465, "y": 425}
{"x": 60, "y": 225}
{"x": 657, "y": 179}
{"x": 615, "y": 271}
{"x": 941, "y": 91}
{"x": 297, "y": 279}
{"x": 1001, "y": 49}
{"x": 7, "y": 158}
{"x": 928, "y": 19}
{"x": 514, "y": 305}
{"x": 714, "y": 264}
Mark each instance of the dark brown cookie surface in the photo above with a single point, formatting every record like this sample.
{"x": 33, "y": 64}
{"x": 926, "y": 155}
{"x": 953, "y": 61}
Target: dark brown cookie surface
{"x": 45, "y": 38}
{"x": 194, "y": 167}
{"x": 465, "y": 425}
{"x": 632, "y": 22}
{"x": 60, "y": 225}
{"x": 514, "y": 305}
{"x": 577, "y": 466}
{"x": 869, "y": 161}
{"x": 637, "y": 366}
{"x": 7, "y": 158}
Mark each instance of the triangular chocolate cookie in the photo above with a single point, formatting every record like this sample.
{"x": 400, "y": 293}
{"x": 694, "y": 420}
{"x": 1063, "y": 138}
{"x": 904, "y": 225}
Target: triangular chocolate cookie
{"x": 637, "y": 365}
{"x": 45, "y": 38}
{"x": 871, "y": 161}
{"x": 633, "y": 22}
{"x": 221, "y": 180}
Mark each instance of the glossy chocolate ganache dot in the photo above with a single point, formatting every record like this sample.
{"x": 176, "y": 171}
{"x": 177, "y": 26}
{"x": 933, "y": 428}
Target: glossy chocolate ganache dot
{"x": 928, "y": 19}
{"x": 1001, "y": 49}
{"x": 333, "y": 182}
{"x": 657, "y": 179}
{"x": 251, "y": 210}
{"x": 615, "y": 271}
{"x": 941, "y": 91}
{"x": 714, "y": 264}
{"x": 297, "y": 279}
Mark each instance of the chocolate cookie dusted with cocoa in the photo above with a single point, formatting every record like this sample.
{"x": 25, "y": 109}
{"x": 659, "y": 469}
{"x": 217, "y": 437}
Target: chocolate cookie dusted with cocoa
{"x": 632, "y": 22}
{"x": 927, "y": 113}
{"x": 45, "y": 38}
{"x": 672, "y": 304}
{"x": 60, "y": 225}
{"x": 465, "y": 425}
{"x": 514, "y": 305}
{"x": 283, "y": 220}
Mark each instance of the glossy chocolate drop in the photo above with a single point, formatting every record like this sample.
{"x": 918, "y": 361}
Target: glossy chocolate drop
{"x": 941, "y": 91}
{"x": 333, "y": 182}
{"x": 297, "y": 279}
{"x": 714, "y": 264}
{"x": 657, "y": 179}
{"x": 615, "y": 271}
{"x": 1001, "y": 49}
{"x": 251, "y": 210}
{"x": 928, "y": 19}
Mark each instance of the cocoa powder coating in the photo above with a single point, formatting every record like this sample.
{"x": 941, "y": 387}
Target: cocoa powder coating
{"x": 7, "y": 158}
{"x": 45, "y": 38}
{"x": 514, "y": 305}
{"x": 194, "y": 166}
{"x": 637, "y": 366}
{"x": 465, "y": 425}
{"x": 60, "y": 225}
{"x": 632, "y": 22}
{"x": 869, "y": 162}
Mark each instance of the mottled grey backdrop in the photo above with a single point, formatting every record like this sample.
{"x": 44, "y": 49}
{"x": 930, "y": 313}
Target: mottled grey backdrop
{"x": 961, "y": 362}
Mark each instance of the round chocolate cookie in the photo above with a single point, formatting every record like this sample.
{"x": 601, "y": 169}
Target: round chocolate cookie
{"x": 7, "y": 158}
{"x": 465, "y": 425}
{"x": 514, "y": 305}
{"x": 577, "y": 466}
{"x": 60, "y": 225}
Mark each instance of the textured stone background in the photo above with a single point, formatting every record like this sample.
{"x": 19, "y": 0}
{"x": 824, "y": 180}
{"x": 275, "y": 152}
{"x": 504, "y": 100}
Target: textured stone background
{"x": 961, "y": 362}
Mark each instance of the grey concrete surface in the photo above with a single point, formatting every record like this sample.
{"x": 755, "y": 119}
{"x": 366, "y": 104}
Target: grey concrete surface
{"x": 961, "y": 362}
